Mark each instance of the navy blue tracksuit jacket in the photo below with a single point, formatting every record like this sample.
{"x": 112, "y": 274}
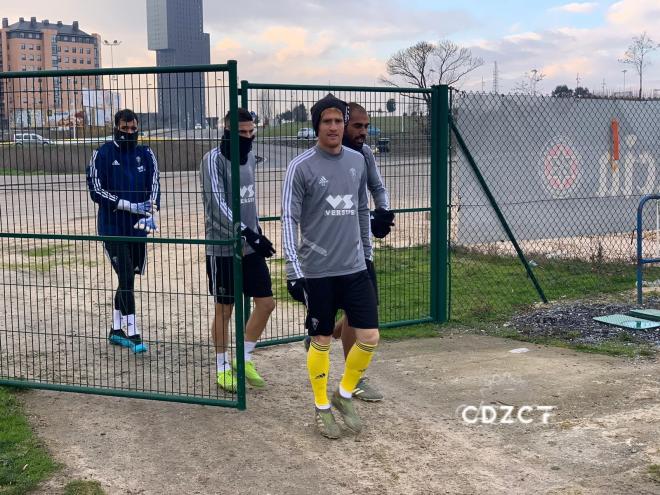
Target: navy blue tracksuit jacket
{"x": 114, "y": 174}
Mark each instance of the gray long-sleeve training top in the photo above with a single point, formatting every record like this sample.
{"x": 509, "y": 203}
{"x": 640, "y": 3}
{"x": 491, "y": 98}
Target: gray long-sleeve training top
{"x": 215, "y": 176}
{"x": 324, "y": 196}
{"x": 375, "y": 181}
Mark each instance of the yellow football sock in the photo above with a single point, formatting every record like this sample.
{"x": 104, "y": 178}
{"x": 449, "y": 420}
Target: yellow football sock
{"x": 357, "y": 362}
{"x": 318, "y": 365}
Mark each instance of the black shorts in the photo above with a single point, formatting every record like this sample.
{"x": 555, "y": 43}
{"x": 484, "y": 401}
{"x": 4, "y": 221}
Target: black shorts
{"x": 220, "y": 272}
{"x": 353, "y": 293}
{"x": 132, "y": 253}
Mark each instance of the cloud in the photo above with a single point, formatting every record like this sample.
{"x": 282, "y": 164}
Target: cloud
{"x": 635, "y": 15}
{"x": 228, "y": 45}
{"x": 576, "y": 7}
{"x": 577, "y": 65}
{"x": 564, "y": 52}
{"x": 368, "y": 20}
{"x": 312, "y": 41}
{"x": 522, "y": 37}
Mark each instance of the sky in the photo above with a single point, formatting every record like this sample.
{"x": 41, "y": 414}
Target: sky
{"x": 349, "y": 42}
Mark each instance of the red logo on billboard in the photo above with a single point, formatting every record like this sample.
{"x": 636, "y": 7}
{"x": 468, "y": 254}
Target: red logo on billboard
{"x": 560, "y": 167}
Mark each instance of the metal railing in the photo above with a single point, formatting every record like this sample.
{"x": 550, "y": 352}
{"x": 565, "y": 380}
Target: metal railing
{"x": 641, "y": 260}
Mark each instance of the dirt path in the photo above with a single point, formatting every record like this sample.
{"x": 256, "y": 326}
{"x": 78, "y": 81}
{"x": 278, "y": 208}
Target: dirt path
{"x": 601, "y": 438}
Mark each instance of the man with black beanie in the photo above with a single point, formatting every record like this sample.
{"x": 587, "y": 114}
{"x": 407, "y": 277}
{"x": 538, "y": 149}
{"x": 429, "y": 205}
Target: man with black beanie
{"x": 325, "y": 234}
{"x": 382, "y": 219}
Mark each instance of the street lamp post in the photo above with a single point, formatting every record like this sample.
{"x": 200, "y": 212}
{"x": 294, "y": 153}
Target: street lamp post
{"x": 72, "y": 121}
{"x": 112, "y": 44}
{"x": 148, "y": 126}
{"x": 624, "y": 80}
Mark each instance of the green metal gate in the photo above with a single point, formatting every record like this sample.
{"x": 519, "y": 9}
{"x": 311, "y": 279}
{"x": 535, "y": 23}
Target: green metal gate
{"x": 411, "y": 261}
{"x": 57, "y": 288}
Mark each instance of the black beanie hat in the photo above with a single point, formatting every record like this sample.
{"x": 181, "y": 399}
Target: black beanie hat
{"x": 328, "y": 101}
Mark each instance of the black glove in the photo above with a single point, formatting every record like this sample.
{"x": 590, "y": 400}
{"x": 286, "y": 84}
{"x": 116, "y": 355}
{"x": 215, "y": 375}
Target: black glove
{"x": 297, "y": 289}
{"x": 260, "y": 243}
{"x": 381, "y": 221}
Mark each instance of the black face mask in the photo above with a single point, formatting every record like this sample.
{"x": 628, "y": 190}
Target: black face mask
{"x": 126, "y": 140}
{"x": 244, "y": 147}
{"x": 346, "y": 142}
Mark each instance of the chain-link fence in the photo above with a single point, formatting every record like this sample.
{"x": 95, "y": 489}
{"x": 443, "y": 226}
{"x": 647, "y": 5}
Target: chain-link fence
{"x": 566, "y": 176}
{"x": 58, "y": 285}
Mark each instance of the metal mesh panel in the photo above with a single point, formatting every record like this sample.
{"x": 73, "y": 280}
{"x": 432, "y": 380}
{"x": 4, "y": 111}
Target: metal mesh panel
{"x": 567, "y": 175}
{"x": 400, "y": 138}
{"x": 57, "y": 282}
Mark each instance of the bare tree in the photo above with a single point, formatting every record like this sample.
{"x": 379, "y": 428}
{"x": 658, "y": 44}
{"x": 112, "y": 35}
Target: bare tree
{"x": 424, "y": 64}
{"x": 637, "y": 55}
{"x": 529, "y": 82}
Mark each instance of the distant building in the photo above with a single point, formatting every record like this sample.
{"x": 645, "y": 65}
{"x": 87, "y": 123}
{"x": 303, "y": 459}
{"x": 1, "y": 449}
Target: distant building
{"x": 175, "y": 33}
{"x": 36, "y": 46}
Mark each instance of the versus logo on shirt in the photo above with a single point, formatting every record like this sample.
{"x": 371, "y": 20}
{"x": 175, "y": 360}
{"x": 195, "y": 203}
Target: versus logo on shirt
{"x": 247, "y": 194}
{"x": 341, "y": 205}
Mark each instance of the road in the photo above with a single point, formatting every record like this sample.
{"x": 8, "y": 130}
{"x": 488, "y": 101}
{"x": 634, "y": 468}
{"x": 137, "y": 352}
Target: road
{"x": 60, "y": 203}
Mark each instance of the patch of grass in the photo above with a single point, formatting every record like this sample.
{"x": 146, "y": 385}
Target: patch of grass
{"x": 82, "y": 487}
{"x": 51, "y": 250}
{"x": 46, "y": 258}
{"x": 488, "y": 289}
{"x": 654, "y": 472}
{"x": 23, "y": 460}
{"x": 403, "y": 281}
{"x": 389, "y": 125}
{"x": 410, "y": 332}
{"x": 14, "y": 171}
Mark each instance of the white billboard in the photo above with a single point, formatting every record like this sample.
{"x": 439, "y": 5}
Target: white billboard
{"x": 100, "y": 105}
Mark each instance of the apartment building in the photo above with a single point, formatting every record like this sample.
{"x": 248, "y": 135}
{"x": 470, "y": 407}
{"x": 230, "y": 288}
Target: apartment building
{"x": 31, "y": 45}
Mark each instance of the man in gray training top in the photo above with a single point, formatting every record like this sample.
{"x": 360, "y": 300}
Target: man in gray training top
{"x": 382, "y": 219}
{"x": 215, "y": 172}
{"x": 324, "y": 198}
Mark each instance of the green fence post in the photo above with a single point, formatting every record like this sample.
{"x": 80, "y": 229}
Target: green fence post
{"x": 439, "y": 188}
{"x": 244, "y": 103}
{"x": 236, "y": 216}
{"x": 244, "y": 94}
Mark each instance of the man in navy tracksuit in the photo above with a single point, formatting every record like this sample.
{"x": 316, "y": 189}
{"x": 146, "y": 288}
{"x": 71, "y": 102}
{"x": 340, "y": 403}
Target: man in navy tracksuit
{"x": 123, "y": 180}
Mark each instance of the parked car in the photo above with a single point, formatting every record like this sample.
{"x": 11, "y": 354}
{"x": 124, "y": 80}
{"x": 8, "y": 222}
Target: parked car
{"x": 198, "y": 127}
{"x": 30, "y": 138}
{"x": 306, "y": 133}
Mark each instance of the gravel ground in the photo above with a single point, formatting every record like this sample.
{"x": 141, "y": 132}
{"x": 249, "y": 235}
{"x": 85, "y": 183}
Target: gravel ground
{"x": 574, "y": 322}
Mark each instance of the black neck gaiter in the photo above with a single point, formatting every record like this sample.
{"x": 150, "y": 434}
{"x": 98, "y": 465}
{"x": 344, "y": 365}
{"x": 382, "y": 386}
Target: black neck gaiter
{"x": 126, "y": 140}
{"x": 244, "y": 147}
